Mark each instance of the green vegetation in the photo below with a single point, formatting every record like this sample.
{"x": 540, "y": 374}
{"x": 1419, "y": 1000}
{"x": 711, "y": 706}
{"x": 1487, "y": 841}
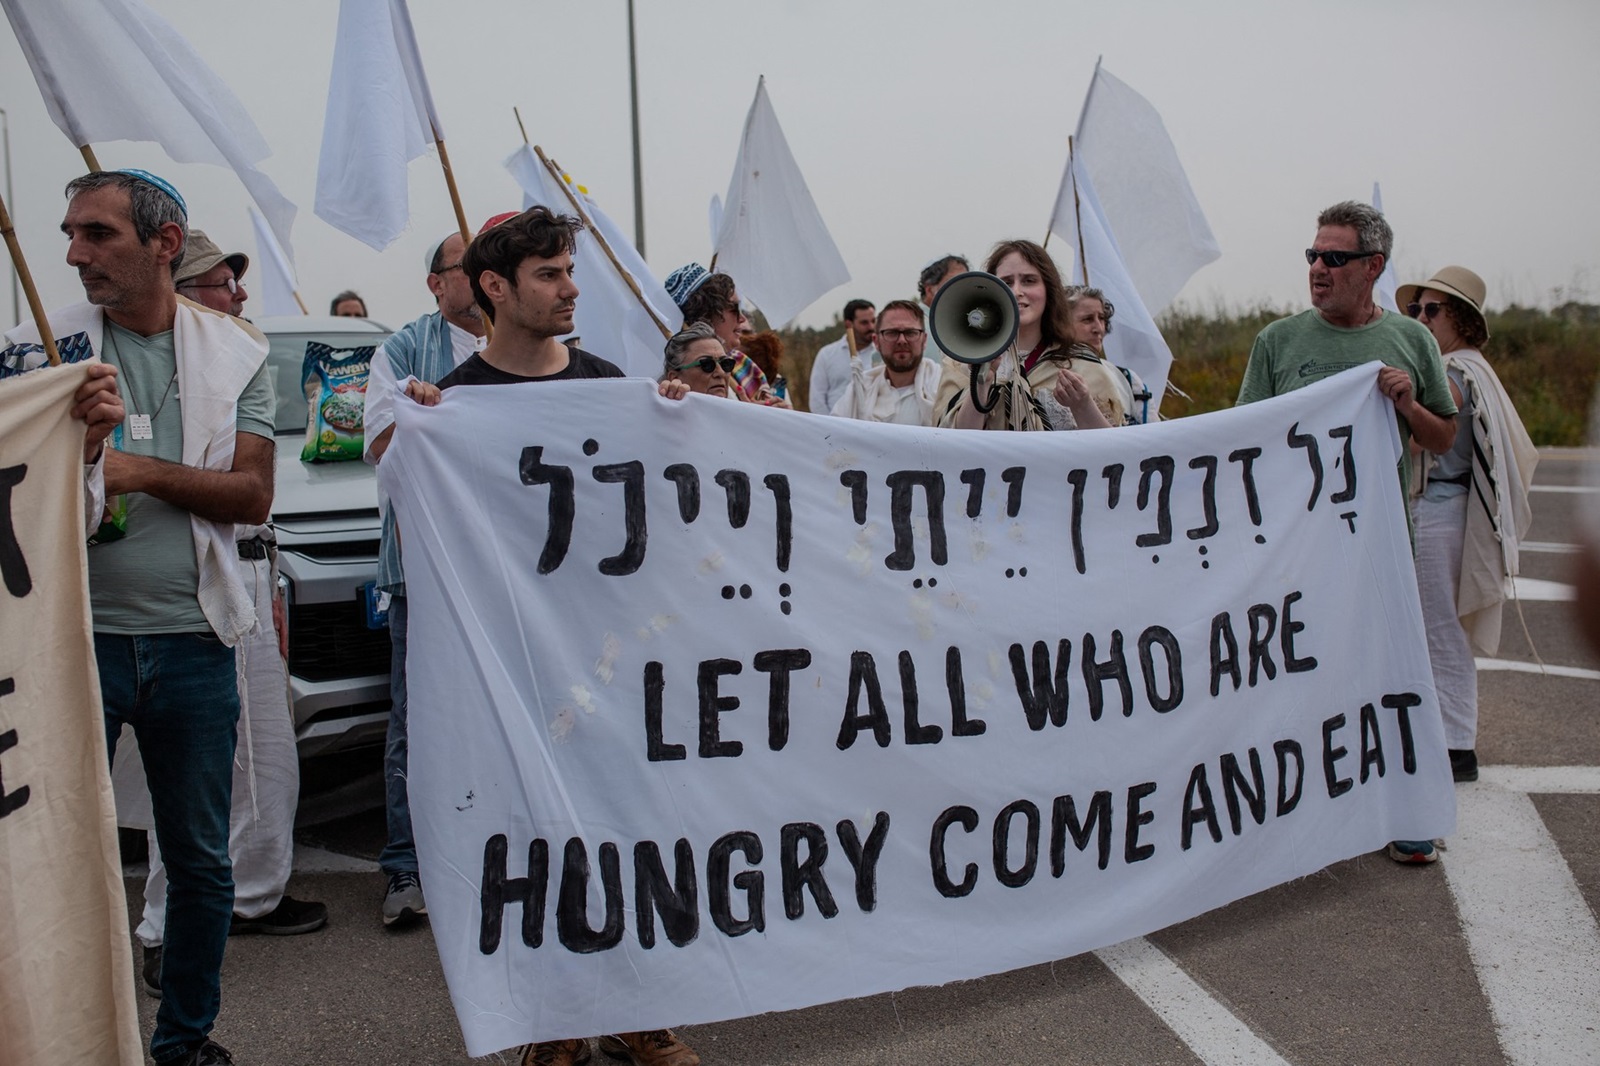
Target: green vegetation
{"x": 1549, "y": 361}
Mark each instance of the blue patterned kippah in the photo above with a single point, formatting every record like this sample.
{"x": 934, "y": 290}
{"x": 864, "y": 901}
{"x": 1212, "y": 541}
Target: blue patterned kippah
{"x": 682, "y": 282}
{"x": 161, "y": 183}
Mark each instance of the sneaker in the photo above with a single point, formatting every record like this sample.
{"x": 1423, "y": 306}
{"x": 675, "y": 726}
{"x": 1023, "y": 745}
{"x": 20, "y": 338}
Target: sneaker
{"x": 150, "y": 972}
{"x": 654, "y": 1047}
{"x": 402, "y": 901}
{"x": 555, "y": 1053}
{"x": 207, "y": 1054}
{"x": 1464, "y": 764}
{"x": 290, "y": 917}
{"x": 1413, "y": 851}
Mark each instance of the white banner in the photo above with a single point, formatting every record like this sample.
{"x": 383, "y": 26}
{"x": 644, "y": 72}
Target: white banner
{"x": 66, "y": 967}
{"x": 718, "y": 710}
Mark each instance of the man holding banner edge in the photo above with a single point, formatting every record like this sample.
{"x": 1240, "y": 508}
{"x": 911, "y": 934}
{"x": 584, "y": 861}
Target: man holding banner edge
{"x": 1344, "y": 329}
{"x": 189, "y": 473}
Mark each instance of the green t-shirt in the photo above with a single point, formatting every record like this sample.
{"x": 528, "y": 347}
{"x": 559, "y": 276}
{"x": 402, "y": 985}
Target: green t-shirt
{"x": 1294, "y": 352}
{"x": 148, "y": 580}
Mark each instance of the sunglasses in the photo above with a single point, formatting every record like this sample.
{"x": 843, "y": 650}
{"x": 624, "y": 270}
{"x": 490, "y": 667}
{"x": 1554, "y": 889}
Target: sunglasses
{"x": 706, "y": 364}
{"x": 1334, "y": 258}
{"x": 1427, "y": 310}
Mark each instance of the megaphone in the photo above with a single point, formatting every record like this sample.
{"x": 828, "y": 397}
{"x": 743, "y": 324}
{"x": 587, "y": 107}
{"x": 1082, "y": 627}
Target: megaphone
{"x": 973, "y": 318}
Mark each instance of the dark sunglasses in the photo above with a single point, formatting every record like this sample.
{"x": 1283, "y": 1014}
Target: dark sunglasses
{"x": 1427, "y": 310}
{"x": 706, "y": 364}
{"x": 1332, "y": 258}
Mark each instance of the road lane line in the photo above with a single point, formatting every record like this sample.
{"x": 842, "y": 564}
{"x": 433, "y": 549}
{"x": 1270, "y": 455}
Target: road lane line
{"x": 1549, "y": 546}
{"x": 1541, "y": 780}
{"x": 1532, "y": 589}
{"x": 1531, "y": 936}
{"x": 1213, "y": 1032}
{"x": 1520, "y": 667}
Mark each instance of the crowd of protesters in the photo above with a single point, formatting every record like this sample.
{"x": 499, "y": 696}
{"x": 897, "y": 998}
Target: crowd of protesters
{"x": 181, "y": 576}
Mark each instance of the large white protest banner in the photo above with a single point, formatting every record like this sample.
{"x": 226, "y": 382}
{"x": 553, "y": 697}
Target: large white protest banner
{"x": 720, "y": 710}
{"x": 66, "y": 968}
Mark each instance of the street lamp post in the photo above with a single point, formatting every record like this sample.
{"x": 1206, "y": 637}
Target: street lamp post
{"x": 638, "y": 179}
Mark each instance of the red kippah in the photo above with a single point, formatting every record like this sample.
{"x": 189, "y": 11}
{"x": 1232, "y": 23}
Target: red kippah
{"x": 496, "y": 220}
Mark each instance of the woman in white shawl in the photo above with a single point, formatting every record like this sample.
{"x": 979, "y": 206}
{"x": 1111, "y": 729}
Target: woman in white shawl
{"x": 1473, "y": 509}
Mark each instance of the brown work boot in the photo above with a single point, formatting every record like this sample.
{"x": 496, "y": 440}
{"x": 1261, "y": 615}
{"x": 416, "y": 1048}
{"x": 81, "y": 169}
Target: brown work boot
{"x": 556, "y": 1053}
{"x": 654, "y": 1047}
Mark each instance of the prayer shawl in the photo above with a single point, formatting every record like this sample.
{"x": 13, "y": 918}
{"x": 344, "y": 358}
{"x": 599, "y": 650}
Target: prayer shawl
{"x": 868, "y": 388}
{"x": 217, "y": 356}
{"x": 1498, "y": 512}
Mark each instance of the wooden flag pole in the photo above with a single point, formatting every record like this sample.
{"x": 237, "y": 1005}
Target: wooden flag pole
{"x": 23, "y": 275}
{"x": 461, "y": 214}
{"x": 520, "y": 126}
{"x": 88, "y": 158}
{"x": 303, "y": 309}
{"x": 1077, "y": 213}
{"x": 633, "y": 285}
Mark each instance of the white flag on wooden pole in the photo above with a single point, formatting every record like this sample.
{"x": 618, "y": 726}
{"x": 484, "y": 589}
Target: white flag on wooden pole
{"x": 772, "y": 239}
{"x": 1123, "y": 147}
{"x": 113, "y": 70}
{"x": 380, "y": 116}
{"x": 610, "y": 320}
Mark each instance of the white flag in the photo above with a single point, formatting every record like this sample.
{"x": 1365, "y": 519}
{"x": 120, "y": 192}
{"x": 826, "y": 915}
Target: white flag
{"x": 380, "y": 117}
{"x": 113, "y": 70}
{"x": 274, "y": 278}
{"x": 610, "y": 320}
{"x": 1123, "y": 146}
{"x": 772, "y": 239}
{"x": 1134, "y": 342}
{"x": 1383, "y": 292}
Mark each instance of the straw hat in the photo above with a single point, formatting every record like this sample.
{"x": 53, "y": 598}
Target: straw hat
{"x": 1455, "y": 281}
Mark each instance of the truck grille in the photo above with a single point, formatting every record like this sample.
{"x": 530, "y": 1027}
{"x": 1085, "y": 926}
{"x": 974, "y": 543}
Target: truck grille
{"x": 328, "y": 641}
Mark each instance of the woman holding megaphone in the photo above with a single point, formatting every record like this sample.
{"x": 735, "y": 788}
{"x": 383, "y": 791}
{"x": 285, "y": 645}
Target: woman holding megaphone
{"x": 1028, "y": 386}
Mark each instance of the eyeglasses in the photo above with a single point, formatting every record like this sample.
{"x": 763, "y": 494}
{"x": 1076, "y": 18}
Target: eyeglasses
{"x": 893, "y": 335}
{"x": 232, "y": 285}
{"x": 453, "y": 266}
{"x": 706, "y": 364}
{"x": 1335, "y": 258}
{"x": 1427, "y": 310}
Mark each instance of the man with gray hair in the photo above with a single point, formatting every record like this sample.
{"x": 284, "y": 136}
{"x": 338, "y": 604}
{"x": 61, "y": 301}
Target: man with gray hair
{"x": 168, "y": 601}
{"x": 1345, "y": 329}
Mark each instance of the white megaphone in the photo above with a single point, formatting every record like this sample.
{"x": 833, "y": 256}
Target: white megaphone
{"x": 973, "y": 318}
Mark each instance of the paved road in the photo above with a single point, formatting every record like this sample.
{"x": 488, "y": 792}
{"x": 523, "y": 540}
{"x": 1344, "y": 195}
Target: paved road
{"x": 1490, "y": 956}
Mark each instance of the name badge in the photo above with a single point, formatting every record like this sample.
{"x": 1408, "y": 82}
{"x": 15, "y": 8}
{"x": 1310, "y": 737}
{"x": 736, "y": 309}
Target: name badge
{"x": 139, "y": 427}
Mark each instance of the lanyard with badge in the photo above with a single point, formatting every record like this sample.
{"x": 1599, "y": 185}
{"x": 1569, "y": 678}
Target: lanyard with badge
{"x": 114, "y": 525}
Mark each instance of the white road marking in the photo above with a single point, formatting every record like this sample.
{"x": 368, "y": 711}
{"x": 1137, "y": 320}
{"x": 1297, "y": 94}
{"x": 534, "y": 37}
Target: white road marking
{"x": 1531, "y": 589}
{"x": 1549, "y": 546}
{"x": 1541, "y": 780}
{"x": 1529, "y": 931}
{"x": 1583, "y": 489}
{"x": 1520, "y": 667}
{"x": 1212, "y": 1032}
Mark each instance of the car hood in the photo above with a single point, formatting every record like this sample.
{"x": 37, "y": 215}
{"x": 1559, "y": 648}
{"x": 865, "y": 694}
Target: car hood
{"x": 320, "y": 490}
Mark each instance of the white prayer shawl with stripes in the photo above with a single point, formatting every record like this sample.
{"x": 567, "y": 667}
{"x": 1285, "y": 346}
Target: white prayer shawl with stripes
{"x": 1498, "y": 511}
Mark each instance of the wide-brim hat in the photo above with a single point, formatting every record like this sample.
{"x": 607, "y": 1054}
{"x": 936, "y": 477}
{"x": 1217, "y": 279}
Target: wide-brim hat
{"x": 200, "y": 255}
{"x": 1455, "y": 281}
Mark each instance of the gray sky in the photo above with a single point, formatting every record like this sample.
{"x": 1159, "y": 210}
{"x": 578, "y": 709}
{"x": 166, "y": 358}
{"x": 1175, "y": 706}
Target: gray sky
{"x": 926, "y": 127}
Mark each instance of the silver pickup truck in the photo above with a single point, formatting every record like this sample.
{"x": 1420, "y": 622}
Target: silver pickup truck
{"x": 327, "y": 521}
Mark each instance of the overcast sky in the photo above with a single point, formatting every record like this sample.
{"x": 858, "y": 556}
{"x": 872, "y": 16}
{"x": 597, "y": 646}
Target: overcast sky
{"x": 926, "y": 127}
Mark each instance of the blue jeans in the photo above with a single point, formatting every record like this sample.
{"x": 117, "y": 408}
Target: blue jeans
{"x": 179, "y": 692}
{"x": 400, "y": 853}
